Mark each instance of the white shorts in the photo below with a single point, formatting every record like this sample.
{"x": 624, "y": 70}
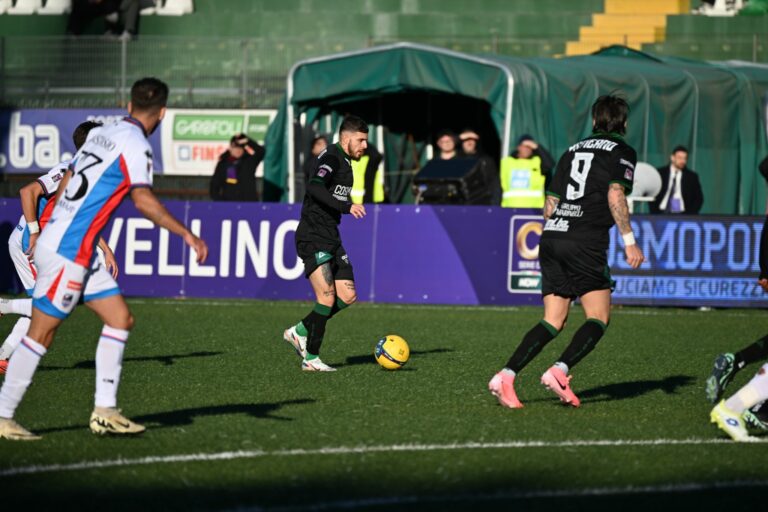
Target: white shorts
{"x": 24, "y": 268}
{"x": 61, "y": 283}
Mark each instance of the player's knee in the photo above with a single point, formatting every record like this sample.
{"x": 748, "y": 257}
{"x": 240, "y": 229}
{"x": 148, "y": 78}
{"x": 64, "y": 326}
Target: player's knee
{"x": 124, "y": 322}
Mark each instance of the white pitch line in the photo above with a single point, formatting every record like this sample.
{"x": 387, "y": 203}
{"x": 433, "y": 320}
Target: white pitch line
{"x": 629, "y": 310}
{"x": 507, "y": 495}
{"x": 346, "y": 450}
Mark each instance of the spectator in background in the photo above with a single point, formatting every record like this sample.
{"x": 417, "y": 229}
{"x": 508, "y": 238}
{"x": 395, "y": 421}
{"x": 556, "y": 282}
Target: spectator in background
{"x": 525, "y": 175}
{"x": 680, "y": 187}
{"x": 319, "y": 143}
{"x": 471, "y": 148}
{"x": 235, "y": 176}
{"x": 121, "y": 16}
{"x": 368, "y": 184}
{"x": 446, "y": 145}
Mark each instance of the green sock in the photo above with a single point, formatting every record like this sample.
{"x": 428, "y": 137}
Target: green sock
{"x": 311, "y": 356}
{"x": 301, "y": 330}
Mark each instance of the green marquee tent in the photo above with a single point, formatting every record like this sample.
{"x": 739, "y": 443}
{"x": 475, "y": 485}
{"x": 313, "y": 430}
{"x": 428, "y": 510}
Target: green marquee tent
{"x": 717, "y": 110}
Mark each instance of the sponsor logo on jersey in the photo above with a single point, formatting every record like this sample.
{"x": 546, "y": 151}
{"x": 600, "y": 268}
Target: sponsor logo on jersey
{"x": 341, "y": 192}
{"x": 560, "y": 225}
{"x": 18, "y": 226}
{"x": 324, "y": 170}
{"x": 345, "y": 259}
{"x": 626, "y": 163}
{"x": 74, "y": 285}
{"x": 58, "y": 177}
{"x": 629, "y": 174}
{"x": 568, "y": 210}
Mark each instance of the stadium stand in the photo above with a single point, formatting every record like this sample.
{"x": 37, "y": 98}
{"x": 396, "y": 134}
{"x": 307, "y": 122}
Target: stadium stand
{"x": 715, "y": 38}
{"x": 627, "y": 23}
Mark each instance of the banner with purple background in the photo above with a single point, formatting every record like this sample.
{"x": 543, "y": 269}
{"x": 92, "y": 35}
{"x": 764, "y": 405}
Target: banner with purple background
{"x": 419, "y": 255}
{"x": 35, "y": 140}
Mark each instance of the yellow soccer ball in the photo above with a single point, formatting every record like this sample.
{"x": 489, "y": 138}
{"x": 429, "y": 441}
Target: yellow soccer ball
{"x": 392, "y": 352}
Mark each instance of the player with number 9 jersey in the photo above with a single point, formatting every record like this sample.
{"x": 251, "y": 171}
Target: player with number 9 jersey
{"x": 581, "y": 182}
{"x": 586, "y": 197}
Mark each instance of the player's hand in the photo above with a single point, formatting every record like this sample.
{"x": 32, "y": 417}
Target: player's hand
{"x": 30, "y": 252}
{"x": 763, "y": 284}
{"x": 357, "y": 211}
{"x": 111, "y": 263}
{"x": 634, "y": 255}
{"x": 199, "y": 245}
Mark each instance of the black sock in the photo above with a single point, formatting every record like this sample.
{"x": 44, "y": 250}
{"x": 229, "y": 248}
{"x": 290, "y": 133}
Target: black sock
{"x": 535, "y": 340}
{"x": 315, "y": 323}
{"x": 757, "y": 351}
{"x": 339, "y": 305}
{"x": 583, "y": 342}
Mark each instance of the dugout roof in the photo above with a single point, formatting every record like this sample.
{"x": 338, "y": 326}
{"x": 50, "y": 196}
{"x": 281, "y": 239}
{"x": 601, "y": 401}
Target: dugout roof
{"x": 718, "y": 110}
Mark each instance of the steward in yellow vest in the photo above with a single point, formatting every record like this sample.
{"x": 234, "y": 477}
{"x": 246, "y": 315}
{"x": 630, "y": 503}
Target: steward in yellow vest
{"x": 525, "y": 174}
{"x": 368, "y": 186}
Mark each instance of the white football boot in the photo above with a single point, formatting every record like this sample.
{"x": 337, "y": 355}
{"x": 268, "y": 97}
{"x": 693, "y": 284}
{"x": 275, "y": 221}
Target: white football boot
{"x": 299, "y": 343}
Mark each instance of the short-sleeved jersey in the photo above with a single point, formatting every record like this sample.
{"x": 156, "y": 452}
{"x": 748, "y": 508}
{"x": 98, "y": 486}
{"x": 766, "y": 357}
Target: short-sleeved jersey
{"x": 319, "y": 222}
{"x": 581, "y": 182}
{"x": 50, "y": 184}
{"x": 114, "y": 159}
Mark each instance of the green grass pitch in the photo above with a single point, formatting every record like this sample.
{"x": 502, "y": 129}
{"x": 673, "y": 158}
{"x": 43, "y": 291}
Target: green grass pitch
{"x": 233, "y": 424}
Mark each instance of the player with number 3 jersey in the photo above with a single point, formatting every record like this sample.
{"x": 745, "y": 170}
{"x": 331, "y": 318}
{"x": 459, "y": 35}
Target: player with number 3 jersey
{"x": 115, "y": 161}
{"x": 586, "y": 197}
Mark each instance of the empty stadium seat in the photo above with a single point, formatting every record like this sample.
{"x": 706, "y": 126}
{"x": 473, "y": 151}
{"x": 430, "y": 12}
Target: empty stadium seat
{"x": 174, "y": 7}
{"x": 55, "y": 7}
{"x": 25, "y": 6}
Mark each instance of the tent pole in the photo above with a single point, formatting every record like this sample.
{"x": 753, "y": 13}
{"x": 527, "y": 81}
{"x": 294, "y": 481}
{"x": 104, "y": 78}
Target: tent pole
{"x": 289, "y": 131}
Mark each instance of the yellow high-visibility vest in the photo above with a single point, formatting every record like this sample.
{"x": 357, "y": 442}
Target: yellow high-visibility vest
{"x": 358, "y": 186}
{"x": 522, "y": 184}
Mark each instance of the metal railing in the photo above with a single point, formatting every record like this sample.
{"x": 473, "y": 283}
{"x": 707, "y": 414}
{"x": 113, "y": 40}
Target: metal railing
{"x": 208, "y": 72}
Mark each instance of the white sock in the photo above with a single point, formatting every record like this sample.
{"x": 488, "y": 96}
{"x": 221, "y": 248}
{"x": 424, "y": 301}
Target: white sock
{"x": 18, "y": 377}
{"x": 22, "y": 307}
{"x": 109, "y": 364}
{"x": 14, "y": 338}
{"x": 562, "y": 366}
{"x": 753, "y": 393}
{"x": 509, "y": 372}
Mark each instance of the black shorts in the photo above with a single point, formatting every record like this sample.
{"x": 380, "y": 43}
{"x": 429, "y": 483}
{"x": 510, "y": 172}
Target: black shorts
{"x": 313, "y": 256}
{"x": 571, "y": 268}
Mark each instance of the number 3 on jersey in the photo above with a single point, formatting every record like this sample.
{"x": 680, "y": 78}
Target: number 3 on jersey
{"x": 83, "y": 188}
{"x": 580, "y": 166}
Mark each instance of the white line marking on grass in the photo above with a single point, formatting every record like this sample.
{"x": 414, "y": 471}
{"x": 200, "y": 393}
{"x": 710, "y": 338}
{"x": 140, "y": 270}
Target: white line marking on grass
{"x": 518, "y": 494}
{"x": 347, "y": 450}
{"x": 629, "y": 310}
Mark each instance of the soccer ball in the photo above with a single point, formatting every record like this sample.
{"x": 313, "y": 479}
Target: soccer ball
{"x": 392, "y": 352}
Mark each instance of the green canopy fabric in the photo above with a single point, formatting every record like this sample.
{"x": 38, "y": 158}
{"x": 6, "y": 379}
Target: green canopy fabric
{"x": 717, "y": 110}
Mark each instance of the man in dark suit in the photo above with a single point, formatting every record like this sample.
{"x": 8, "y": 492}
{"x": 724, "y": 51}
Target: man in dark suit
{"x": 680, "y": 191}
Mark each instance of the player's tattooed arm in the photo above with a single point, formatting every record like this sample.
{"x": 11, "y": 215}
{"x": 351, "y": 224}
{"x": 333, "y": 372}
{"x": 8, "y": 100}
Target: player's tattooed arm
{"x": 617, "y": 201}
{"x": 550, "y": 205}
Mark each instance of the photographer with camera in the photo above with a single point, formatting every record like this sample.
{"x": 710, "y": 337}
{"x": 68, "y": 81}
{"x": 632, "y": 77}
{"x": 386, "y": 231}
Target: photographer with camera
{"x": 235, "y": 176}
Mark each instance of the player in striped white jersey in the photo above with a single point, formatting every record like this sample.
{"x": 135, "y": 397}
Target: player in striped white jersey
{"x": 37, "y": 205}
{"x": 115, "y": 161}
